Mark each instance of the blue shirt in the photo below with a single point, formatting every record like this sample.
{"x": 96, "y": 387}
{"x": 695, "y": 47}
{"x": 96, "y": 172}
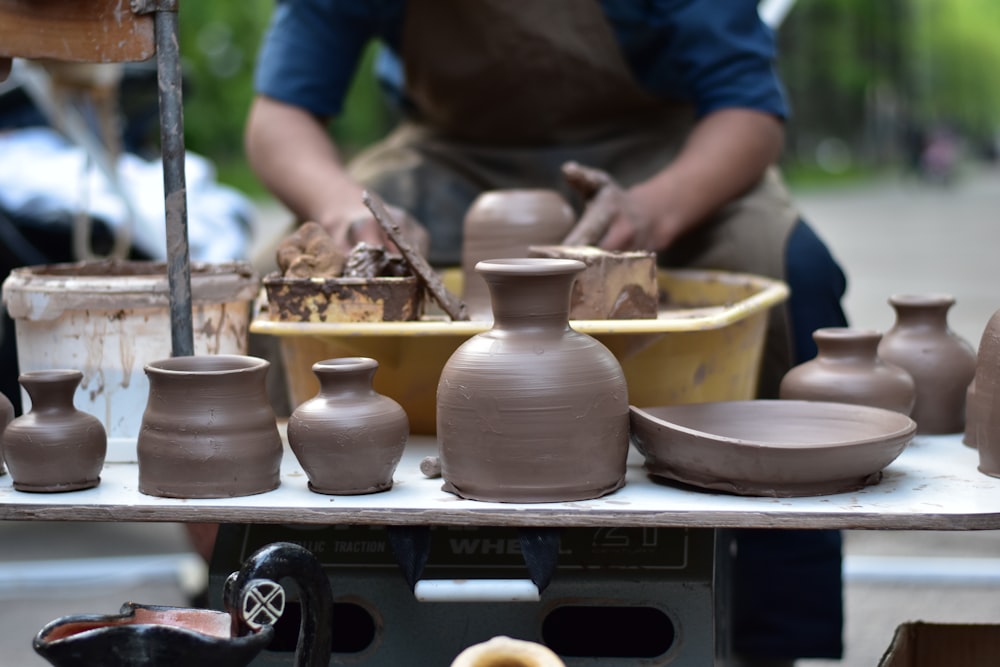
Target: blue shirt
{"x": 715, "y": 54}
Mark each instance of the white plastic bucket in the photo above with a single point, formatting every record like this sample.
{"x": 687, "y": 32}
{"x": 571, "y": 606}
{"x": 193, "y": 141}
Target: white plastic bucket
{"x": 109, "y": 319}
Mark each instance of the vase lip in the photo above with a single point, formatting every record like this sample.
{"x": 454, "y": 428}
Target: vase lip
{"x": 207, "y": 364}
{"x": 922, "y": 299}
{"x": 530, "y": 265}
{"x": 346, "y": 363}
{"x": 51, "y": 374}
{"x": 840, "y": 333}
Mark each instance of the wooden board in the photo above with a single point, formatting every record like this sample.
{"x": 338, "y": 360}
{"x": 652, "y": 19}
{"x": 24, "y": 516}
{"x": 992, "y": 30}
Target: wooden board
{"x": 933, "y": 485}
{"x": 98, "y": 31}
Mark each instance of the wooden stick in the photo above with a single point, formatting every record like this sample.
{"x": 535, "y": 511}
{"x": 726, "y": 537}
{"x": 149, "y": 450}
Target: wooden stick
{"x": 451, "y": 304}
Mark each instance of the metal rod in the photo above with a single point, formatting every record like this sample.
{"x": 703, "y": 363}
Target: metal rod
{"x": 168, "y": 71}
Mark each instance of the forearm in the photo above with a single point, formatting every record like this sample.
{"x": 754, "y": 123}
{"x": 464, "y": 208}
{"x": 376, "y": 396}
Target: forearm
{"x": 291, "y": 153}
{"x": 726, "y": 154}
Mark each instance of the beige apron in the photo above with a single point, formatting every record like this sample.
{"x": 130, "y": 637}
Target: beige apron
{"x": 509, "y": 91}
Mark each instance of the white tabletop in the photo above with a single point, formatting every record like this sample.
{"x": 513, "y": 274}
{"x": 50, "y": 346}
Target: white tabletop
{"x": 933, "y": 485}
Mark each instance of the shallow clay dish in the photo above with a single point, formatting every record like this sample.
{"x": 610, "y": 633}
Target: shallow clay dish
{"x": 770, "y": 448}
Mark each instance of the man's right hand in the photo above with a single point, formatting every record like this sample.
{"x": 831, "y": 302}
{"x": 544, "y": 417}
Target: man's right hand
{"x": 356, "y": 224}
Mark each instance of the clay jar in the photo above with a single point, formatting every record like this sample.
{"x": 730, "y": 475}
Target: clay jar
{"x": 54, "y": 447}
{"x": 532, "y": 410}
{"x": 984, "y": 401}
{"x": 6, "y": 417}
{"x": 208, "y": 430}
{"x": 941, "y": 363}
{"x": 348, "y": 438}
{"x": 847, "y": 369}
{"x": 503, "y": 223}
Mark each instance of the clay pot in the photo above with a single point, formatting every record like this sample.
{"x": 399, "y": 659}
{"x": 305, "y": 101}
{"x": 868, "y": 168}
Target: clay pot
{"x": 348, "y": 438}
{"x": 54, "y": 447}
{"x": 984, "y": 401}
{"x": 507, "y": 652}
{"x": 504, "y": 223}
{"x": 532, "y": 410}
{"x": 940, "y": 362}
{"x": 972, "y": 416}
{"x": 847, "y": 369}
{"x": 208, "y": 430}
{"x": 159, "y": 636}
{"x": 6, "y": 417}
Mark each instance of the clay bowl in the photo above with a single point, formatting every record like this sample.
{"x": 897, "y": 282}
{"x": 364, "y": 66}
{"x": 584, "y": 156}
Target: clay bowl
{"x": 769, "y": 447}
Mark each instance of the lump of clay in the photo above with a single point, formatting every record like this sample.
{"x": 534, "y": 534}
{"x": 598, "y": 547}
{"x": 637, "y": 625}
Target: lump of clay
{"x": 309, "y": 252}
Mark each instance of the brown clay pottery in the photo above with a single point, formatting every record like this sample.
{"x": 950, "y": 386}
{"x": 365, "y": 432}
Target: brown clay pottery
{"x": 208, "y": 430}
{"x": 348, "y": 438}
{"x": 54, "y": 447}
{"x": 940, "y": 362}
{"x": 847, "y": 369}
{"x": 503, "y": 223}
{"x": 770, "y": 448}
{"x": 6, "y": 417}
{"x": 532, "y": 410}
{"x": 984, "y": 401}
{"x": 159, "y": 636}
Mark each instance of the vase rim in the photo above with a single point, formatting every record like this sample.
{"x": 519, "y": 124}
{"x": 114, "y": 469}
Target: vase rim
{"x": 846, "y": 332}
{"x": 346, "y": 363}
{"x": 51, "y": 374}
{"x": 530, "y": 265}
{"x": 207, "y": 364}
{"x": 922, "y": 299}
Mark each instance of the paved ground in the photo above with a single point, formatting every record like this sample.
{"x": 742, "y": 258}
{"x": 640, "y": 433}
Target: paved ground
{"x": 893, "y": 237}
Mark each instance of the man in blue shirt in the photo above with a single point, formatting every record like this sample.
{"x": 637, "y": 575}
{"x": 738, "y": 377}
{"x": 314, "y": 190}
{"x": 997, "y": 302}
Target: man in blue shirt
{"x": 677, "y": 100}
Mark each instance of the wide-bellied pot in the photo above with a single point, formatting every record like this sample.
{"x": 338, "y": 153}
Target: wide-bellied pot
{"x": 532, "y": 410}
{"x": 348, "y": 438}
{"x": 54, "y": 446}
{"x": 941, "y": 363}
{"x": 847, "y": 369}
{"x": 208, "y": 430}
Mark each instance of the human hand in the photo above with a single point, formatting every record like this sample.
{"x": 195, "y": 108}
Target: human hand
{"x": 613, "y": 218}
{"x": 357, "y": 224}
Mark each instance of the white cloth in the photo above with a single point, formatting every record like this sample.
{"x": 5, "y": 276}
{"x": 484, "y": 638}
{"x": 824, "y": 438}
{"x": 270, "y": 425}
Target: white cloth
{"x": 42, "y": 174}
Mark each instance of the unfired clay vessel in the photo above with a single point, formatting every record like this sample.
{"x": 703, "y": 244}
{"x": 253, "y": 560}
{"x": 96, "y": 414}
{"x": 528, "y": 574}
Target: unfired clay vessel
{"x": 847, "y": 369}
{"x": 983, "y": 429}
{"x": 208, "y": 430}
{"x": 504, "y": 223}
{"x": 940, "y": 362}
{"x": 6, "y": 417}
{"x": 54, "y": 447}
{"x": 348, "y": 438}
{"x": 532, "y": 410}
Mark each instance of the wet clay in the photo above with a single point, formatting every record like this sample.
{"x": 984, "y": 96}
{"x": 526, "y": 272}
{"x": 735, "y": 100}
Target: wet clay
{"x": 54, "y": 447}
{"x": 983, "y": 427}
{"x": 504, "y": 223}
{"x": 208, "y": 430}
{"x": 770, "y": 448}
{"x": 309, "y": 252}
{"x": 348, "y": 438}
{"x": 532, "y": 410}
{"x": 940, "y": 362}
{"x": 847, "y": 369}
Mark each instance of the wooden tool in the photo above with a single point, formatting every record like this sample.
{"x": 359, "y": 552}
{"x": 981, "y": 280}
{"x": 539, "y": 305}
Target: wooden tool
{"x": 451, "y": 304}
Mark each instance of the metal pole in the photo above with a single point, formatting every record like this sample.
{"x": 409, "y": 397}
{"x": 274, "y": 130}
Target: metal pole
{"x": 168, "y": 70}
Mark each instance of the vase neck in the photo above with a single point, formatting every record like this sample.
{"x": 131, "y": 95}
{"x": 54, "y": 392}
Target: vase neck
{"x": 833, "y": 346}
{"x": 931, "y": 313}
{"x": 51, "y": 390}
{"x": 345, "y": 381}
{"x": 530, "y": 301}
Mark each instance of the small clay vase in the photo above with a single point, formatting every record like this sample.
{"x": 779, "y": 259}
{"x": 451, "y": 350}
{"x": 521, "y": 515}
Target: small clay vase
{"x": 847, "y": 369}
{"x": 532, "y": 410}
{"x": 6, "y": 417}
{"x": 208, "y": 430}
{"x": 940, "y": 362}
{"x": 504, "y": 223}
{"x": 348, "y": 438}
{"x": 983, "y": 426}
{"x": 54, "y": 447}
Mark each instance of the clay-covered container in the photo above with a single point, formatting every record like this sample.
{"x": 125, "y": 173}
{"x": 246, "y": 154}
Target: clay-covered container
{"x": 504, "y": 223}
{"x": 847, "y": 369}
{"x": 54, "y": 446}
{"x": 208, "y": 430}
{"x": 940, "y": 362}
{"x": 532, "y": 410}
{"x": 348, "y": 438}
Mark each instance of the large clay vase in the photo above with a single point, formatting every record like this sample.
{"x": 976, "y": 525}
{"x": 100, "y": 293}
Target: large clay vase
{"x": 532, "y": 410}
{"x": 208, "y": 430}
{"x": 940, "y": 362}
{"x": 6, "y": 417}
{"x": 983, "y": 427}
{"x": 348, "y": 438}
{"x": 503, "y": 223}
{"x": 847, "y": 369}
{"x": 54, "y": 447}
{"x": 159, "y": 636}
